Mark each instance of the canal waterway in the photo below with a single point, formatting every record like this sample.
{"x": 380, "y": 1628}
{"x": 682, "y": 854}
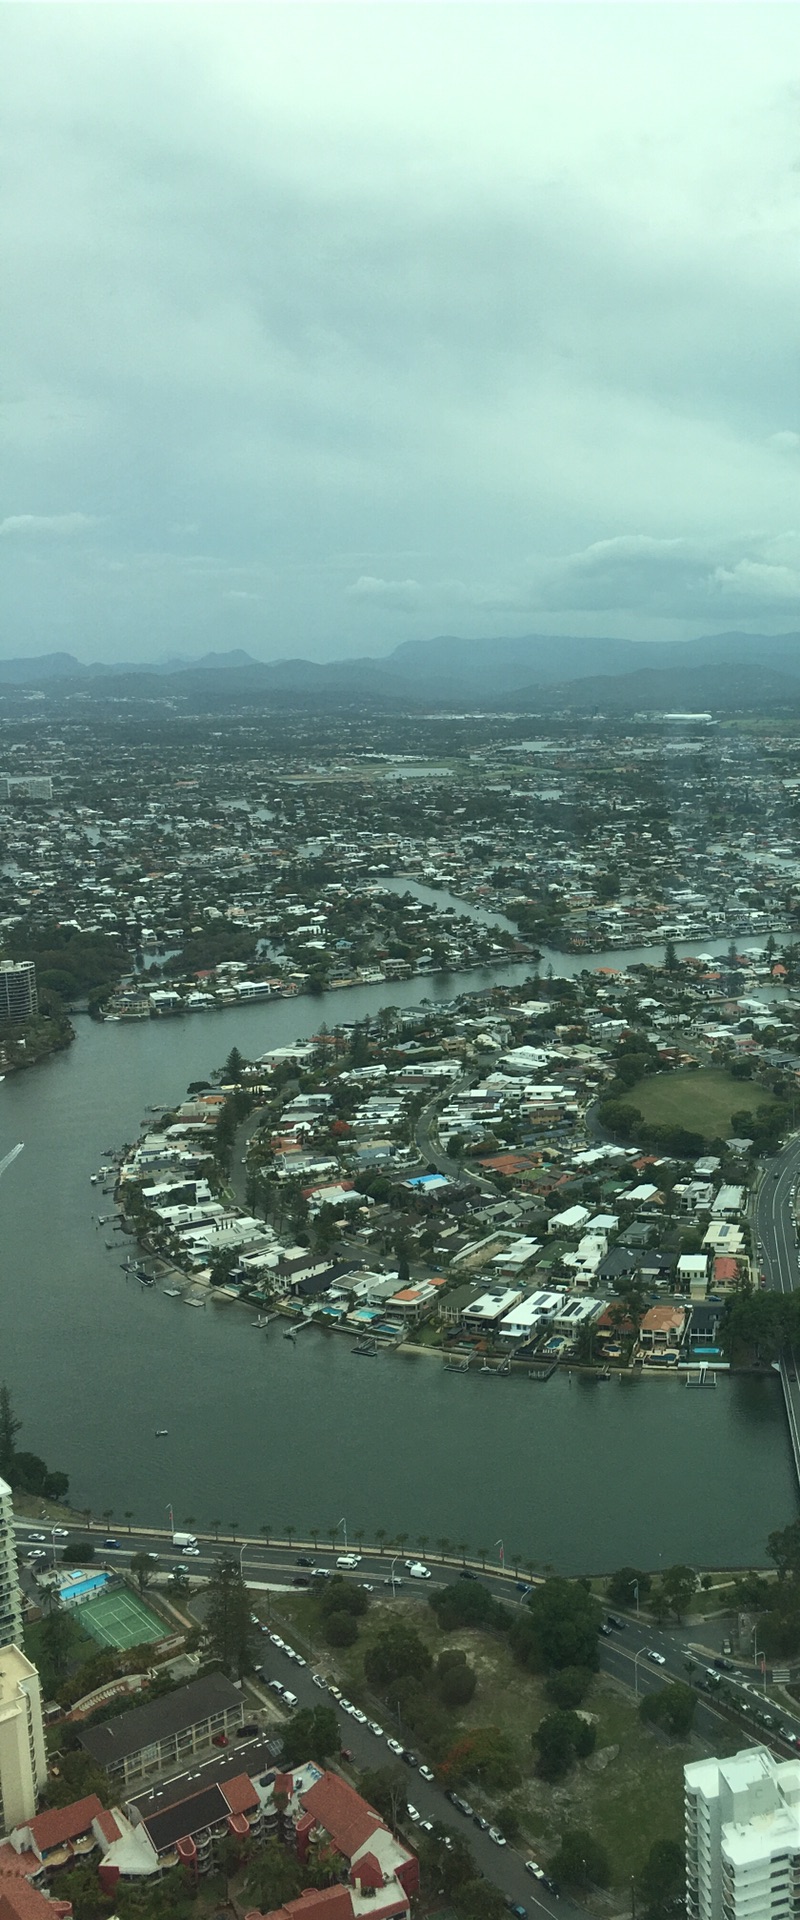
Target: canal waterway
{"x": 265, "y": 1431}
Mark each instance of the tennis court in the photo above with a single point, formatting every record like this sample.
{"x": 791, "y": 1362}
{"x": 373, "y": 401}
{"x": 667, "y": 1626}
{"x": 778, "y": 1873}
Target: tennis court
{"x": 121, "y": 1620}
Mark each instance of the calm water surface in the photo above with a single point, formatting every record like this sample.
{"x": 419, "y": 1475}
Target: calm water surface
{"x": 576, "y": 1475}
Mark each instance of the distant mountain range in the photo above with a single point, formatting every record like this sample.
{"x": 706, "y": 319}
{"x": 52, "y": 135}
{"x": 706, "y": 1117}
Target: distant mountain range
{"x": 540, "y": 673}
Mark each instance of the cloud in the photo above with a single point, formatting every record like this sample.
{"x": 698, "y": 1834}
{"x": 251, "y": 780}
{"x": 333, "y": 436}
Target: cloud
{"x": 787, "y": 441}
{"x": 680, "y": 575}
{"x": 46, "y": 523}
{"x": 401, "y": 595}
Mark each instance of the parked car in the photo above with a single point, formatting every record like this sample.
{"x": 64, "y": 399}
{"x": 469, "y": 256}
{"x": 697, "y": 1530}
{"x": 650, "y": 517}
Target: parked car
{"x": 376, "y": 1728}
{"x": 409, "y": 1757}
{"x": 317, "y": 1680}
{"x": 301, "y": 1580}
{"x": 247, "y": 1730}
{"x": 425, "y": 1773}
{"x": 515, "y": 1907}
{"x": 413, "y": 1814}
{"x": 394, "y": 1746}
{"x": 498, "y": 1837}
{"x": 612, "y": 1621}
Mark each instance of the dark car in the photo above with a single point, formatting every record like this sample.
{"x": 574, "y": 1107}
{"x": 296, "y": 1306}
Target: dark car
{"x": 409, "y": 1757}
{"x": 110, "y": 1542}
{"x": 246, "y": 1731}
{"x": 612, "y": 1621}
{"x": 606, "y": 1628}
{"x": 725, "y": 1666}
{"x": 466, "y": 1573}
{"x": 301, "y": 1580}
{"x": 479, "y": 1821}
{"x": 515, "y": 1907}
{"x": 303, "y": 1560}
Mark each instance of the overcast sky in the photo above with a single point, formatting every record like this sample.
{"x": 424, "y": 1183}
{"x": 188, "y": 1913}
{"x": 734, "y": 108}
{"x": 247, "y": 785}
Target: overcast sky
{"x": 327, "y": 327}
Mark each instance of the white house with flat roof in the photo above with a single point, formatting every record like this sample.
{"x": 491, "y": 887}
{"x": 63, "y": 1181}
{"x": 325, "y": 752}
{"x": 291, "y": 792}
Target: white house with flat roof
{"x": 525, "y": 1319}
{"x": 490, "y": 1308}
{"x": 572, "y": 1220}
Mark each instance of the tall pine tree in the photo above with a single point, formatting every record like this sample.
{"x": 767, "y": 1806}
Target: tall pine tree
{"x": 228, "y": 1618}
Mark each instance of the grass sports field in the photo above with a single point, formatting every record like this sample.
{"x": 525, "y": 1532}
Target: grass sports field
{"x": 701, "y": 1099}
{"x": 121, "y": 1620}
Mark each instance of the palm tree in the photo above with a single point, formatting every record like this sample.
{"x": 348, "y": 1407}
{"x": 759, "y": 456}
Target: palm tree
{"x": 483, "y": 1555}
{"x": 463, "y": 1548}
{"x": 422, "y": 1541}
{"x": 234, "y": 1527}
{"x": 128, "y": 1515}
{"x": 515, "y": 1560}
{"x": 87, "y": 1516}
{"x": 216, "y": 1524}
{"x": 108, "y": 1515}
{"x": 359, "y": 1536}
{"x": 401, "y": 1540}
{"x": 314, "y": 1533}
{"x": 332, "y": 1532}
{"x": 443, "y": 1545}
{"x": 266, "y": 1529}
{"x": 380, "y": 1535}
{"x": 191, "y": 1520}
{"x": 289, "y": 1531}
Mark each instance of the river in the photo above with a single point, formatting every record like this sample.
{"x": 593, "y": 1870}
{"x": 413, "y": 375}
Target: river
{"x": 263, "y": 1431}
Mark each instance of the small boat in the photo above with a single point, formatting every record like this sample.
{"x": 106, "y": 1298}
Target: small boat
{"x": 147, "y": 1279}
{"x": 195, "y": 1303}
{"x": 161, "y": 1433}
{"x": 93, "y": 1178}
{"x": 172, "y": 1292}
{"x": 110, "y": 1245}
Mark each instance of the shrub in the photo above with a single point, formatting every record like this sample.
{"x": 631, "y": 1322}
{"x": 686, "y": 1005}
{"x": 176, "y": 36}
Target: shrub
{"x": 341, "y": 1630}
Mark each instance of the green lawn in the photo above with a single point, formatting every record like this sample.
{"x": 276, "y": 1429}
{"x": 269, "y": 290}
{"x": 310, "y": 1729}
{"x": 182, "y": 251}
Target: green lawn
{"x": 630, "y": 1796}
{"x": 702, "y": 1100}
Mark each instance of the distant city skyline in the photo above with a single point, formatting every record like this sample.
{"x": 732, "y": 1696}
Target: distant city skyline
{"x": 328, "y": 327}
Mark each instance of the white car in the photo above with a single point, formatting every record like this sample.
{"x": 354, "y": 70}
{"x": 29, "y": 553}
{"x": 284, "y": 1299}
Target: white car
{"x": 498, "y": 1837}
{"x": 192, "y": 1552}
{"x": 317, "y": 1680}
{"x": 394, "y": 1746}
{"x": 349, "y": 1560}
{"x": 277, "y": 1641}
{"x": 417, "y": 1571}
{"x": 359, "y": 1716}
{"x": 277, "y": 1686}
{"x": 413, "y": 1814}
{"x": 60, "y": 1533}
{"x": 376, "y": 1728}
{"x": 426, "y": 1774}
{"x": 653, "y": 1654}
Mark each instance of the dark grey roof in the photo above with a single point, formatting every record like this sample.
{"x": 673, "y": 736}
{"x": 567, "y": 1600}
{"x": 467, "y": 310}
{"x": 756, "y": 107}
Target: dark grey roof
{"x": 209, "y": 1808}
{"x": 115, "y": 1740}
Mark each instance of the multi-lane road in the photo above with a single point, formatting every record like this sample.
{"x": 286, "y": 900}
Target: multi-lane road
{"x": 777, "y": 1247}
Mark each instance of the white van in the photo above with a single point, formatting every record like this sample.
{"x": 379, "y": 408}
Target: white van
{"x": 289, "y": 1699}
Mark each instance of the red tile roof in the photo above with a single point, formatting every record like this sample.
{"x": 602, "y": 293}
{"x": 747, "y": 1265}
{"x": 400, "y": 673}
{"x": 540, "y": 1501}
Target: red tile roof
{"x": 348, "y": 1819}
{"x": 108, "y": 1826}
{"x": 240, "y": 1793}
{"x": 52, "y": 1828}
{"x": 20, "y": 1901}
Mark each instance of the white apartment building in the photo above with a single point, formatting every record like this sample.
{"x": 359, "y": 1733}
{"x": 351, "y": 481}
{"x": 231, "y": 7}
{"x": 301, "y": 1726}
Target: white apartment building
{"x": 23, "y": 1764}
{"x": 742, "y": 1820}
{"x": 10, "y": 1595}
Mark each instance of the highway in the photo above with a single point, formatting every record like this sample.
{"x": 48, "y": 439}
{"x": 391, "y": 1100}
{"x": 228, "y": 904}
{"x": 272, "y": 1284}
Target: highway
{"x": 776, "y": 1237}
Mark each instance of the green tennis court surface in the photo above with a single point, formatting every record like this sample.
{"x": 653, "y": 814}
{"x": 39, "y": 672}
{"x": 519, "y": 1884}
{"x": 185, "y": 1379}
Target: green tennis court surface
{"x": 121, "y": 1620}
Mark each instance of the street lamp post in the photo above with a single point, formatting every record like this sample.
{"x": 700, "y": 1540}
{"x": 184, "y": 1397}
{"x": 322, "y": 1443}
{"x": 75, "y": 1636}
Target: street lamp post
{"x": 391, "y": 1571}
{"x": 343, "y": 1525}
{"x": 635, "y": 1585}
{"x": 499, "y": 1543}
{"x": 170, "y": 1517}
{"x": 759, "y": 1656}
{"x": 242, "y": 1552}
{"x": 636, "y": 1659}
{"x": 53, "y": 1544}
